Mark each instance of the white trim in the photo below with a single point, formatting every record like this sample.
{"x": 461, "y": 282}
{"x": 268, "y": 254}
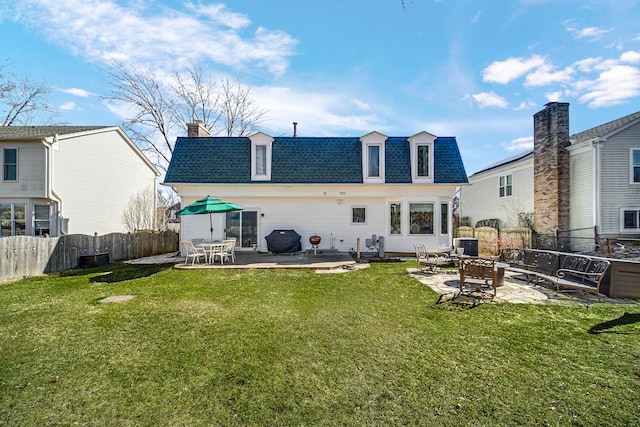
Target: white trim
{"x": 261, "y": 139}
{"x": 417, "y": 140}
{"x": 366, "y": 214}
{"x": 369, "y": 140}
{"x": 629, "y": 230}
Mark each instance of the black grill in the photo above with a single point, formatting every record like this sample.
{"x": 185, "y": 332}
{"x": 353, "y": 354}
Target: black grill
{"x": 283, "y": 241}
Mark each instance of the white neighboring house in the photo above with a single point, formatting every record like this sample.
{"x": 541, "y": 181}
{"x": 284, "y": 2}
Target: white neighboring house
{"x": 60, "y": 180}
{"x": 501, "y": 191}
{"x": 339, "y": 188}
{"x": 586, "y": 182}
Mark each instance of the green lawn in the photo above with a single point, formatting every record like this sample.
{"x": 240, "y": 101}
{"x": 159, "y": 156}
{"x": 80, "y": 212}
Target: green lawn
{"x": 290, "y": 347}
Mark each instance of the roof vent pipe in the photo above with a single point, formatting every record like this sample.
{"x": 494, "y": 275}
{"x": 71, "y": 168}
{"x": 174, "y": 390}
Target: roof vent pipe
{"x": 295, "y": 129}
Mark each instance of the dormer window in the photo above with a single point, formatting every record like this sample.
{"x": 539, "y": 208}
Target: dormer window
{"x": 261, "y": 145}
{"x": 373, "y": 158}
{"x": 422, "y": 157}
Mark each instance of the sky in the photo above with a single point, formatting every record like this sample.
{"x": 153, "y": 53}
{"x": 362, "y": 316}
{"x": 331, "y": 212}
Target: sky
{"x": 476, "y": 70}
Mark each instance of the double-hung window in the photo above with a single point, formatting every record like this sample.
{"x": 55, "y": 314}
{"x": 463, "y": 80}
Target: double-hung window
{"x": 635, "y": 165}
{"x": 9, "y": 164}
{"x": 41, "y": 220}
{"x": 13, "y": 219}
{"x": 506, "y": 185}
{"x": 373, "y": 161}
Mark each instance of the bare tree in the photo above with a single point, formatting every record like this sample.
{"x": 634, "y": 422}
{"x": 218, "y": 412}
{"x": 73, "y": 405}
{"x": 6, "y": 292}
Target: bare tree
{"x": 159, "y": 110}
{"x": 23, "y": 101}
{"x": 238, "y": 109}
{"x": 166, "y": 200}
{"x": 140, "y": 212}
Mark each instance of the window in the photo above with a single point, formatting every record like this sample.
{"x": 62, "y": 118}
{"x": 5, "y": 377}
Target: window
{"x": 635, "y": 165}
{"x": 630, "y": 220}
{"x": 261, "y": 156}
{"x": 358, "y": 215}
{"x": 373, "y": 161}
{"x": 261, "y": 159}
{"x": 10, "y": 164}
{"x": 41, "y": 220}
{"x": 423, "y": 161}
{"x": 444, "y": 218}
{"x": 506, "y": 188}
{"x": 12, "y": 220}
{"x": 395, "y": 218}
{"x": 421, "y": 218}
{"x": 422, "y": 157}
{"x": 373, "y": 146}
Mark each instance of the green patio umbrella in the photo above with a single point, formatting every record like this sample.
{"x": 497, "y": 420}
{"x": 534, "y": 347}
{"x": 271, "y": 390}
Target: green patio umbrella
{"x": 209, "y": 205}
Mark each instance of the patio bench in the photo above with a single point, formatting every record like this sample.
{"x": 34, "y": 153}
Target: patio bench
{"x": 573, "y": 271}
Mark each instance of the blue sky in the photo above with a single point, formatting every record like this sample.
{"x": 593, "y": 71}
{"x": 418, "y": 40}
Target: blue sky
{"x": 476, "y": 70}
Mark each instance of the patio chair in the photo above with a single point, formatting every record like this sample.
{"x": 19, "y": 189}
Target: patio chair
{"x": 429, "y": 261}
{"x": 193, "y": 252}
{"x": 224, "y": 251}
{"x": 478, "y": 273}
{"x": 233, "y": 247}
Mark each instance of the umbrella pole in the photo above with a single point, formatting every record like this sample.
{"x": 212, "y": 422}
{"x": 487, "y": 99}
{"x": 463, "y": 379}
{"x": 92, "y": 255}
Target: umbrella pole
{"x": 211, "y": 225}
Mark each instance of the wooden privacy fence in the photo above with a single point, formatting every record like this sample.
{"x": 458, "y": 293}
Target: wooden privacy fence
{"x": 22, "y": 256}
{"x": 491, "y": 240}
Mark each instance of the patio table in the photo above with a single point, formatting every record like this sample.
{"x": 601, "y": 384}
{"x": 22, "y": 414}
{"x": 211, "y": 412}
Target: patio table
{"x": 209, "y": 248}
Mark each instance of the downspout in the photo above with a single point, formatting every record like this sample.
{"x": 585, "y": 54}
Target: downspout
{"x": 50, "y": 192}
{"x": 596, "y": 185}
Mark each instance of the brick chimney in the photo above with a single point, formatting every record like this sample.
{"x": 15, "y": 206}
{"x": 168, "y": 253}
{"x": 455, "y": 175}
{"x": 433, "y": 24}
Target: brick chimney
{"x": 197, "y": 129}
{"x": 551, "y": 168}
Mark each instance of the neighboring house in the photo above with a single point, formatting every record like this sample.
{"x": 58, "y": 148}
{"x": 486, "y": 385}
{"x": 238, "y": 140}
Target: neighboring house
{"x": 587, "y": 181}
{"x": 502, "y": 191}
{"x": 68, "y": 179}
{"x": 339, "y": 188}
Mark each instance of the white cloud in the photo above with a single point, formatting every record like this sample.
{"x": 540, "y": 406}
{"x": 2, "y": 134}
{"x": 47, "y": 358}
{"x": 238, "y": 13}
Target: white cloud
{"x": 511, "y": 68}
{"x": 67, "y": 106}
{"x": 545, "y": 75}
{"x": 77, "y": 92}
{"x": 489, "y": 99}
{"x": 519, "y": 144}
{"x": 591, "y": 33}
{"x": 317, "y": 112}
{"x": 524, "y": 105}
{"x": 631, "y": 56}
{"x": 612, "y": 87}
{"x": 101, "y": 30}
{"x": 361, "y": 105}
{"x": 554, "y": 96}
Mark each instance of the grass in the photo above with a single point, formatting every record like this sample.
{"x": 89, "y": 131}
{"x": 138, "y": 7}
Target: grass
{"x": 289, "y": 347}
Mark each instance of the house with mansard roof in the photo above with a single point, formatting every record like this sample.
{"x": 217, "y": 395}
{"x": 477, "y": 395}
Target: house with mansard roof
{"x": 343, "y": 189}
{"x": 58, "y": 180}
{"x": 584, "y": 183}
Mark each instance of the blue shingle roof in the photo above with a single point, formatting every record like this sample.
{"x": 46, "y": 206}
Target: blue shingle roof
{"x": 303, "y": 160}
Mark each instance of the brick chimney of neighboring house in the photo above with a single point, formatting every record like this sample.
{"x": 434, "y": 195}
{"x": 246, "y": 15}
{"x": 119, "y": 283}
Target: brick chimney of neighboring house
{"x": 551, "y": 168}
{"x": 197, "y": 129}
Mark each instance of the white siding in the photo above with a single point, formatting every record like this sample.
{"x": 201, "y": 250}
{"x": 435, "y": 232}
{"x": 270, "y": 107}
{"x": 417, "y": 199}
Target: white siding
{"x": 31, "y": 171}
{"x": 96, "y": 175}
{"x": 616, "y": 190}
{"x": 324, "y": 210}
{"x": 481, "y": 200}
